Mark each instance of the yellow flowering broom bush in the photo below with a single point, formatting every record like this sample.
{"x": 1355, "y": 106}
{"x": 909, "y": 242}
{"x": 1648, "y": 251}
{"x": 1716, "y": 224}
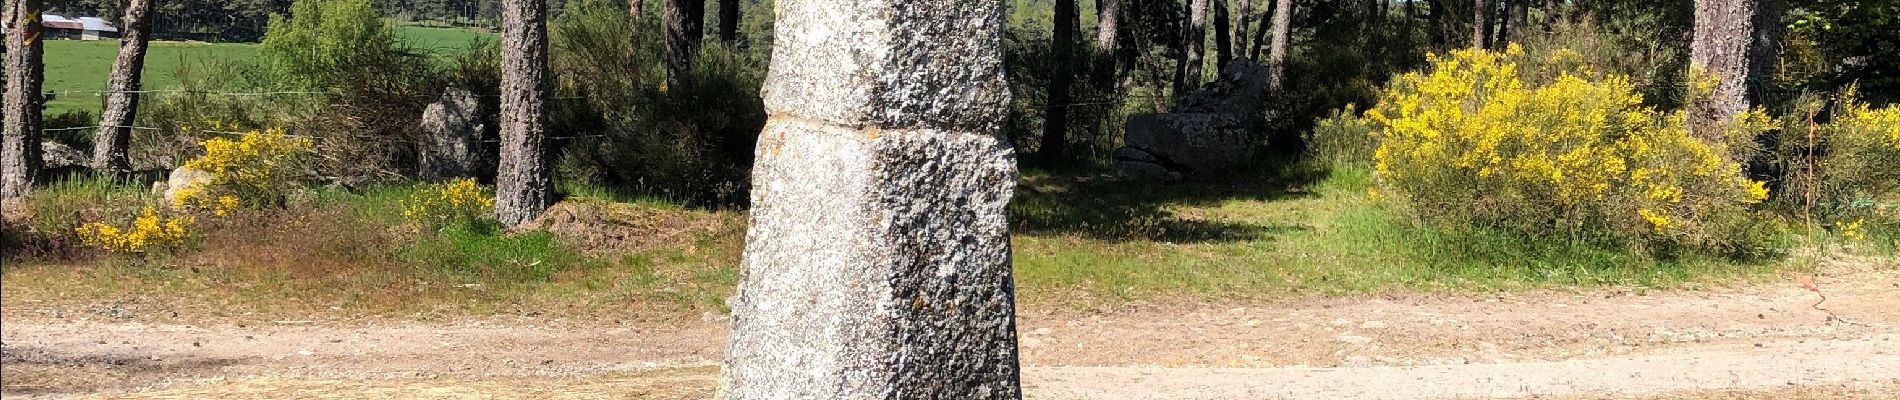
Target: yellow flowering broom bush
{"x": 258, "y": 168}
{"x": 1468, "y": 143}
{"x": 149, "y": 231}
{"x": 457, "y": 201}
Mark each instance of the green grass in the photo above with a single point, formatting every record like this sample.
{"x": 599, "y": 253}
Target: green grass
{"x": 1275, "y": 238}
{"x": 441, "y": 41}
{"x": 1079, "y": 242}
{"x": 73, "y": 65}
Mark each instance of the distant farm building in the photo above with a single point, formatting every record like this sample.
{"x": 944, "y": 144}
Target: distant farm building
{"x": 83, "y": 28}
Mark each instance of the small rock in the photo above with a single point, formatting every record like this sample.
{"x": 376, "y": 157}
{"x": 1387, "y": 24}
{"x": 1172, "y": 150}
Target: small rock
{"x": 306, "y": 353}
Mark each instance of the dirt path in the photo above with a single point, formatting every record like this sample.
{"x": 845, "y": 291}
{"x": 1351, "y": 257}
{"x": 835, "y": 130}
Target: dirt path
{"x": 1764, "y": 337}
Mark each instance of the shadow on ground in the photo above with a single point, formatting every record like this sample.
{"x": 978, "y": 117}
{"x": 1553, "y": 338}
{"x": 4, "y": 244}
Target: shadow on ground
{"x": 1101, "y": 208}
{"x": 31, "y": 370}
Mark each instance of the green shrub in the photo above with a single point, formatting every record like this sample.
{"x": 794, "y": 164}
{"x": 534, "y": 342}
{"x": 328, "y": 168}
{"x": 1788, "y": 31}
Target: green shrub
{"x": 692, "y": 143}
{"x": 55, "y": 212}
{"x": 1342, "y": 141}
{"x": 1840, "y": 164}
{"x": 373, "y": 86}
{"x": 1469, "y": 143}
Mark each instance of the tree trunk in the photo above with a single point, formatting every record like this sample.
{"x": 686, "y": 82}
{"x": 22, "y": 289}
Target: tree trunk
{"x": 1481, "y": 24}
{"x": 20, "y": 144}
{"x": 1223, "y": 37}
{"x": 122, "y": 97}
{"x": 524, "y": 187}
{"x": 1734, "y": 44}
{"x": 1194, "y": 49}
{"x": 1055, "y": 127}
{"x": 685, "y": 27}
{"x": 729, "y": 21}
{"x": 1109, "y": 14}
{"x": 1276, "y": 55}
{"x": 1519, "y": 19}
{"x": 1551, "y": 10}
{"x": 1260, "y": 35}
{"x": 1411, "y": 19}
{"x": 1435, "y": 20}
{"x": 635, "y": 8}
{"x": 1242, "y": 15}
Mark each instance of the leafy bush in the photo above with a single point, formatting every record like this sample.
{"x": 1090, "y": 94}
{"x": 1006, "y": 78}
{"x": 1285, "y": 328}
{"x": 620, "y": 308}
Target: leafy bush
{"x": 1841, "y": 163}
{"x": 373, "y": 86}
{"x": 690, "y": 143}
{"x": 47, "y": 225}
{"x": 257, "y": 169}
{"x": 1343, "y": 140}
{"x": 453, "y": 202}
{"x": 1468, "y": 143}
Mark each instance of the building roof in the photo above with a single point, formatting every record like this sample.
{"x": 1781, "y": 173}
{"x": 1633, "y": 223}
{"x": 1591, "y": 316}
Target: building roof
{"x": 96, "y": 24}
{"x": 74, "y": 25}
{"x": 53, "y": 21}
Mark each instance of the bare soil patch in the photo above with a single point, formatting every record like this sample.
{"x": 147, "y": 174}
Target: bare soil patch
{"x": 1765, "y": 340}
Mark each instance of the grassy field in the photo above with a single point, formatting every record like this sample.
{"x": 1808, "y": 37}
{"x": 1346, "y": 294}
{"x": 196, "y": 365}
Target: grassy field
{"x": 73, "y": 65}
{"x": 1080, "y": 242}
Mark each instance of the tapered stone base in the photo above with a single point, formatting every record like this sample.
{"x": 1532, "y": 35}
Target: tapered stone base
{"x": 877, "y": 266}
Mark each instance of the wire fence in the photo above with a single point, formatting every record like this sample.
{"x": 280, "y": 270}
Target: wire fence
{"x": 313, "y": 137}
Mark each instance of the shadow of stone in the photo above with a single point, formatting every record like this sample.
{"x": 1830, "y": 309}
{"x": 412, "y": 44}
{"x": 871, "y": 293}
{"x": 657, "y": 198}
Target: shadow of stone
{"x": 1106, "y": 209}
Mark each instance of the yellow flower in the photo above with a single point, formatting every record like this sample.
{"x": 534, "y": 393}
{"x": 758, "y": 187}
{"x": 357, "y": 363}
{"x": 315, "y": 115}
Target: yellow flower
{"x": 1851, "y": 230}
{"x": 1657, "y": 219}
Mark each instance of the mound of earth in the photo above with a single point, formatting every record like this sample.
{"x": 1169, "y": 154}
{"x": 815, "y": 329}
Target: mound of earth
{"x": 620, "y": 227}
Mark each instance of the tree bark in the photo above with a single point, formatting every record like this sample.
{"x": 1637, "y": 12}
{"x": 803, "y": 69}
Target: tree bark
{"x": 729, "y": 21}
{"x": 1734, "y": 44}
{"x": 1481, "y": 24}
{"x": 1223, "y": 37}
{"x": 685, "y": 27}
{"x": 1242, "y": 13}
{"x": 122, "y": 98}
{"x": 524, "y": 187}
{"x": 1194, "y": 49}
{"x": 1055, "y": 127}
{"x": 1435, "y": 20}
{"x": 20, "y": 142}
{"x": 1260, "y": 35}
{"x": 1276, "y": 55}
{"x": 635, "y": 8}
{"x": 1108, "y": 25}
{"x": 1518, "y": 19}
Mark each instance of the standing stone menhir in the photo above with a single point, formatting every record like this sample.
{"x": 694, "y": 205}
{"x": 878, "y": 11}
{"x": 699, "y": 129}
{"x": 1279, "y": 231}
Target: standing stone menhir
{"x": 877, "y": 265}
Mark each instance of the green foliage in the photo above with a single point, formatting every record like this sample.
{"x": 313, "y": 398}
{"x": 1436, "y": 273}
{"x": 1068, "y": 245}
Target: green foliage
{"x": 330, "y": 43}
{"x": 1627, "y": 47}
{"x": 1342, "y": 141}
{"x": 693, "y": 143}
{"x": 1839, "y": 164}
{"x": 1834, "y": 43}
{"x": 54, "y": 212}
